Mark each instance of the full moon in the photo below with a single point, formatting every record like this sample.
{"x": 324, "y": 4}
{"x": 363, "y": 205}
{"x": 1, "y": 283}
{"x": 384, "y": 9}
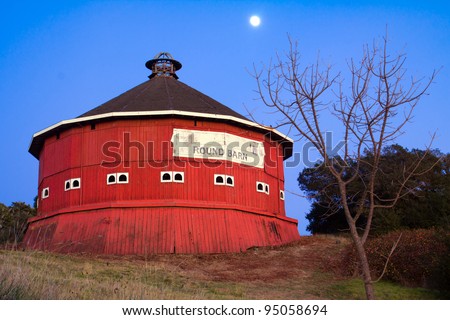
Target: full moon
{"x": 255, "y": 21}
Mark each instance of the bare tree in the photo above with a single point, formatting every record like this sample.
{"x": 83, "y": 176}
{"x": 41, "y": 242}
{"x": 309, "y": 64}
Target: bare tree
{"x": 372, "y": 110}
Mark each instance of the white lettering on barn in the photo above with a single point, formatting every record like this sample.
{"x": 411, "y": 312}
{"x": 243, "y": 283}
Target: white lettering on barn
{"x": 217, "y": 146}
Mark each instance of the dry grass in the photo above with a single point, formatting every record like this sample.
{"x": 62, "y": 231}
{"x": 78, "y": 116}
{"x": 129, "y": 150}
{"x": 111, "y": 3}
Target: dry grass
{"x": 37, "y": 275}
{"x": 304, "y": 270}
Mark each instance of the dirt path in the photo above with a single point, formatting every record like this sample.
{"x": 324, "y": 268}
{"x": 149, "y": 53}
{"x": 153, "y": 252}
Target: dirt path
{"x": 297, "y": 271}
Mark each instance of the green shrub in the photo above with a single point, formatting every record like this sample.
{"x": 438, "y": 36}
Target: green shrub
{"x": 421, "y": 258}
{"x": 14, "y": 221}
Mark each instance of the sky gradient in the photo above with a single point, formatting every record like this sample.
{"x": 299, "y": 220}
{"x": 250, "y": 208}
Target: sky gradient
{"x": 59, "y": 59}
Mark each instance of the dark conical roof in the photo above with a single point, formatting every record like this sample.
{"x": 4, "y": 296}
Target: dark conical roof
{"x": 163, "y": 94}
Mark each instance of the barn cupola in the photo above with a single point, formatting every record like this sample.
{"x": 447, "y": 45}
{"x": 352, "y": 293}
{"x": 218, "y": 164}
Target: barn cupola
{"x": 163, "y": 65}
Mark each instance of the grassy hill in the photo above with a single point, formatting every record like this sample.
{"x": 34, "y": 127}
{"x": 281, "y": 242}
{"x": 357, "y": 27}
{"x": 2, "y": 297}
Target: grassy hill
{"x": 308, "y": 269}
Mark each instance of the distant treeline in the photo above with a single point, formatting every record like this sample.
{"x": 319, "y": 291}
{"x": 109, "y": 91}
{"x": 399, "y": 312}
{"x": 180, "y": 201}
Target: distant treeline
{"x": 419, "y": 222}
{"x": 13, "y": 221}
{"x": 425, "y": 204}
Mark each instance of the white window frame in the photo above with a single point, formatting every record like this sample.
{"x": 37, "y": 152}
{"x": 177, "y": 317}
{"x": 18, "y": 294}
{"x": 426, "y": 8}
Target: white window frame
{"x": 65, "y": 185}
{"x": 72, "y": 181}
{"x": 172, "y": 176}
{"x": 43, "y": 196}
{"x": 225, "y": 180}
{"x": 174, "y": 173}
{"x": 118, "y": 174}
{"x": 111, "y": 175}
{"x": 220, "y": 183}
{"x": 169, "y": 173}
{"x": 263, "y": 184}
{"x": 282, "y": 195}
{"x": 232, "y": 181}
{"x": 265, "y": 189}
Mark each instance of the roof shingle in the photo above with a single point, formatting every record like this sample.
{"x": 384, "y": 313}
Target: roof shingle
{"x": 161, "y": 94}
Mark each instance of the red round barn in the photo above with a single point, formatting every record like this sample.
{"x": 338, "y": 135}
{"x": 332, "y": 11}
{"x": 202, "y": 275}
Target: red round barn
{"x": 162, "y": 168}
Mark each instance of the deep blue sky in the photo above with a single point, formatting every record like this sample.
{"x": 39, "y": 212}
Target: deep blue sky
{"x": 59, "y": 59}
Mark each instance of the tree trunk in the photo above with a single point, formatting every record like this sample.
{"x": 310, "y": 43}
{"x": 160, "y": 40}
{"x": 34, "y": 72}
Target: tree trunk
{"x": 362, "y": 257}
{"x": 359, "y": 245}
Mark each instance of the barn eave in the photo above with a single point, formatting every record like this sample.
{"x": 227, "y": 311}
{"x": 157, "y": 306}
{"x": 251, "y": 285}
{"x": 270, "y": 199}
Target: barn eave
{"x": 38, "y": 138}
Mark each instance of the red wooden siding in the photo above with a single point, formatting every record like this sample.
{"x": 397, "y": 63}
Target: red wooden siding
{"x": 146, "y": 215}
{"x": 62, "y": 160}
{"x": 144, "y": 231}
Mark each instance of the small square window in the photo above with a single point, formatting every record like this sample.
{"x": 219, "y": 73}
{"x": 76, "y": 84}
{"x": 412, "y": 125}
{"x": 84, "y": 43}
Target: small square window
{"x": 260, "y": 186}
{"x": 76, "y": 183}
{"x": 230, "y": 181}
{"x": 219, "y": 179}
{"x": 111, "y": 178}
{"x": 122, "y": 177}
{"x": 45, "y": 193}
{"x": 281, "y": 194}
{"x": 178, "y": 177}
{"x": 67, "y": 185}
{"x": 166, "y": 176}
